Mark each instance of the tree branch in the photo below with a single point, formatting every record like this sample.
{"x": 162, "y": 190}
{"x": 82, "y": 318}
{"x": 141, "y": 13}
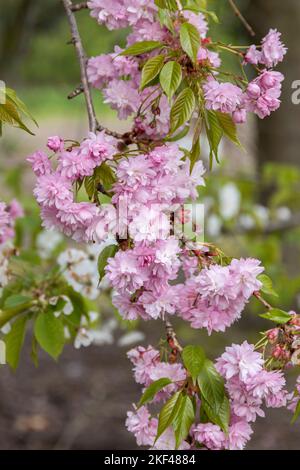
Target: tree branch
{"x": 76, "y": 40}
{"x": 238, "y": 13}
{"x": 79, "y": 6}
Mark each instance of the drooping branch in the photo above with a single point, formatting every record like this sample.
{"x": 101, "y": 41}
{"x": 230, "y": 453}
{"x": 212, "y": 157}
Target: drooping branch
{"x": 238, "y": 13}
{"x": 79, "y": 6}
{"x": 76, "y": 40}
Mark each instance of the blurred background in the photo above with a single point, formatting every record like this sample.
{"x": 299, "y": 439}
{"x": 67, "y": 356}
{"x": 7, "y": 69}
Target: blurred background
{"x": 252, "y": 209}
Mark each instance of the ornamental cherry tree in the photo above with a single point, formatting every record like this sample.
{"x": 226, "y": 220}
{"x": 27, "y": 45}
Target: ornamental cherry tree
{"x": 131, "y": 195}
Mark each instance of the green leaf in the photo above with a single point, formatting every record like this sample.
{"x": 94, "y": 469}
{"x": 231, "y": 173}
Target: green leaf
{"x": 49, "y": 333}
{"x": 108, "y": 252}
{"x": 193, "y": 360}
{"x": 170, "y": 5}
{"x": 9, "y": 114}
{"x": 184, "y": 419}
{"x": 105, "y": 175}
{"x": 211, "y": 385}
{"x": 228, "y": 126}
{"x": 267, "y": 285}
{"x": 297, "y": 413}
{"x": 165, "y": 19}
{"x": 221, "y": 418}
{"x": 151, "y": 69}
{"x": 214, "y": 133}
{"x": 14, "y": 341}
{"x": 89, "y": 185}
{"x": 170, "y": 78}
{"x": 19, "y": 104}
{"x": 190, "y": 40}
{"x": 277, "y": 315}
{"x": 178, "y": 136}
{"x": 17, "y": 301}
{"x": 142, "y": 47}
{"x": 182, "y": 109}
{"x": 168, "y": 413}
{"x": 153, "y": 389}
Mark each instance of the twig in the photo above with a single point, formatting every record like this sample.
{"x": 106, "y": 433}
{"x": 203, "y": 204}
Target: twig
{"x": 75, "y": 92}
{"x": 241, "y": 18}
{"x": 262, "y": 300}
{"x": 76, "y": 40}
{"x": 172, "y": 338}
{"x": 79, "y": 6}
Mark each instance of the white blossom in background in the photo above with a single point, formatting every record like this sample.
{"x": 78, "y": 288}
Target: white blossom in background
{"x": 246, "y": 221}
{"x": 229, "y": 201}
{"x": 131, "y": 337}
{"x": 283, "y": 213}
{"x": 262, "y": 213}
{"x": 47, "y": 241}
{"x": 213, "y": 225}
{"x": 80, "y": 271}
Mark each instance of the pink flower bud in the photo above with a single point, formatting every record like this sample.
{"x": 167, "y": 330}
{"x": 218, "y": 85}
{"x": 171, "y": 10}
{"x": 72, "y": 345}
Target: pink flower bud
{"x": 55, "y": 143}
{"x": 272, "y": 335}
{"x": 239, "y": 116}
{"x": 253, "y": 90}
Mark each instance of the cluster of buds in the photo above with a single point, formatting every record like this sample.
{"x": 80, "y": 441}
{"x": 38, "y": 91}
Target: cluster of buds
{"x": 285, "y": 341}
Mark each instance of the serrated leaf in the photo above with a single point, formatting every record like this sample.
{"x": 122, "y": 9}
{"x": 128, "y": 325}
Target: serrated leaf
{"x": 214, "y": 133}
{"x": 178, "y": 136}
{"x": 168, "y": 413}
{"x": 49, "y": 333}
{"x": 277, "y": 315}
{"x": 222, "y": 418}
{"x": 193, "y": 360}
{"x": 190, "y": 40}
{"x": 267, "y": 285}
{"x": 142, "y": 47}
{"x": 9, "y": 114}
{"x": 14, "y": 341}
{"x": 151, "y": 69}
{"x": 108, "y": 252}
{"x": 20, "y": 104}
{"x": 228, "y": 126}
{"x": 165, "y": 19}
{"x": 170, "y": 5}
{"x": 153, "y": 389}
{"x": 17, "y": 301}
{"x": 105, "y": 175}
{"x": 184, "y": 419}
{"x": 89, "y": 186}
{"x": 296, "y": 413}
{"x": 170, "y": 78}
{"x": 211, "y": 385}
{"x": 182, "y": 109}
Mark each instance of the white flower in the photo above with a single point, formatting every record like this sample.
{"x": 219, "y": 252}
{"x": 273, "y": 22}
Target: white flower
{"x": 230, "y": 200}
{"x": 47, "y": 241}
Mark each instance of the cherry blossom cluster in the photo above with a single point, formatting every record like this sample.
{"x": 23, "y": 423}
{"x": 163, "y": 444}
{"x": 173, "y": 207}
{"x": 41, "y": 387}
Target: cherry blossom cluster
{"x": 54, "y": 190}
{"x": 119, "y": 76}
{"x": 248, "y": 383}
{"x": 8, "y": 215}
{"x": 216, "y": 297}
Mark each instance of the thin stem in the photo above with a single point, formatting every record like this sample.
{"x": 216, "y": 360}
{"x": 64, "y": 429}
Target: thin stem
{"x": 76, "y": 40}
{"x": 262, "y": 300}
{"x": 238, "y": 13}
{"x": 79, "y": 6}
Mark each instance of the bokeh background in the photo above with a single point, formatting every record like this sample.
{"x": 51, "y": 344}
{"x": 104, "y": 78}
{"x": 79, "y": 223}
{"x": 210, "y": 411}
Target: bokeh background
{"x": 252, "y": 209}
